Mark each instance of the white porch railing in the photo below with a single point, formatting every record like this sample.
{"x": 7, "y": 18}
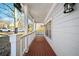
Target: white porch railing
{"x": 23, "y": 43}
{"x": 39, "y": 33}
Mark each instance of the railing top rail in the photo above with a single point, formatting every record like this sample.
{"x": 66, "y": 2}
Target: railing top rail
{"x": 26, "y": 35}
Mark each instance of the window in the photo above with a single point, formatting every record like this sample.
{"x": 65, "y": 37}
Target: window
{"x": 48, "y": 29}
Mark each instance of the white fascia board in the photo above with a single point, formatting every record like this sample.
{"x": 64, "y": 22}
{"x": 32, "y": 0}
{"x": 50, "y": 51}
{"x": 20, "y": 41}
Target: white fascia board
{"x": 49, "y": 13}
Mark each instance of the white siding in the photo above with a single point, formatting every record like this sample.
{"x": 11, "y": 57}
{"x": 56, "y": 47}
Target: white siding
{"x": 65, "y": 31}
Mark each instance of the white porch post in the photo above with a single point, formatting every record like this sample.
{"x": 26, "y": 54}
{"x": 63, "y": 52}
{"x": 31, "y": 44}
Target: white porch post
{"x": 25, "y": 8}
{"x": 13, "y": 44}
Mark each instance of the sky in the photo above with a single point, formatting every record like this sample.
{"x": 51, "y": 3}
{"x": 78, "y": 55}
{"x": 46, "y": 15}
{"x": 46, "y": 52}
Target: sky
{"x": 4, "y": 11}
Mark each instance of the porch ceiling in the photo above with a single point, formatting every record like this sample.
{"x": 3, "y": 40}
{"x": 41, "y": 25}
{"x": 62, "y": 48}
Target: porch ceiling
{"x": 39, "y": 11}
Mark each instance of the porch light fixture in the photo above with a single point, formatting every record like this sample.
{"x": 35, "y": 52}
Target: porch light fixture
{"x": 68, "y": 7}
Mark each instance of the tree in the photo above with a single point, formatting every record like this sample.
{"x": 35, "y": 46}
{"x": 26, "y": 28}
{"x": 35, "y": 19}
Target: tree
{"x": 8, "y": 10}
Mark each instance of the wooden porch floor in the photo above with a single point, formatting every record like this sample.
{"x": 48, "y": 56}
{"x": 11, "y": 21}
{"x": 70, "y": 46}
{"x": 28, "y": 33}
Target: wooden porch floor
{"x": 40, "y": 47}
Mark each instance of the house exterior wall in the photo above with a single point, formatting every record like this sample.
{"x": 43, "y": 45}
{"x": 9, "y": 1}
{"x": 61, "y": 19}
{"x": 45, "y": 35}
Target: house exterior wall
{"x": 65, "y": 31}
